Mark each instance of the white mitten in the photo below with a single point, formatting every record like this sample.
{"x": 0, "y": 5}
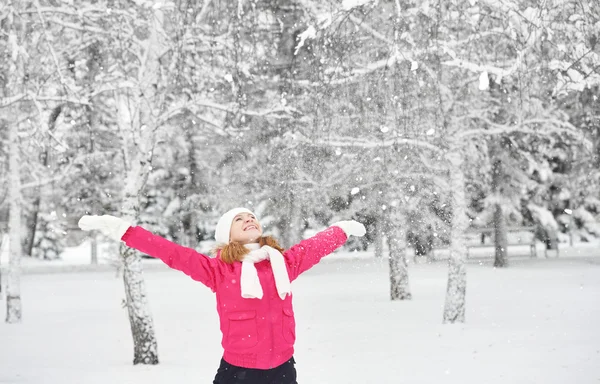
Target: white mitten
{"x": 110, "y": 226}
{"x": 351, "y": 227}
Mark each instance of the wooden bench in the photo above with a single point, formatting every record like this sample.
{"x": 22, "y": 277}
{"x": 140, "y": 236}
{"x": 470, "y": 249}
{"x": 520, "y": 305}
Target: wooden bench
{"x": 531, "y": 242}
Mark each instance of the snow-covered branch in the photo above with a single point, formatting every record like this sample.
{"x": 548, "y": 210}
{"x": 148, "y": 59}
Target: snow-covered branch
{"x": 79, "y": 27}
{"x": 192, "y": 106}
{"x": 545, "y": 126}
{"x": 363, "y": 25}
{"x": 111, "y": 87}
{"x": 214, "y": 124}
{"x": 365, "y": 144}
{"x": 428, "y": 162}
{"x": 234, "y": 107}
{"x": 353, "y": 75}
{"x": 190, "y": 41}
{"x": 500, "y": 73}
{"x": 8, "y": 101}
{"x": 80, "y": 12}
{"x": 50, "y": 48}
{"x": 397, "y": 56}
{"x": 60, "y": 99}
{"x": 39, "y": 183}
{"x": 95, "y": 30}
{"x": 359, "y": 143}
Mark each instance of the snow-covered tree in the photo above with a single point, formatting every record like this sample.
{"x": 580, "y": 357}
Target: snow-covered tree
{"x": 15, "y": 60}
{"x": 453, "y": 51}
{"x": 13, "y": 294}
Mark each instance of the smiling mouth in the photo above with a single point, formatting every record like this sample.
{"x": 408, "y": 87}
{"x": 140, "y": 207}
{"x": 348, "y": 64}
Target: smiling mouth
{"x": 251, "y": 227}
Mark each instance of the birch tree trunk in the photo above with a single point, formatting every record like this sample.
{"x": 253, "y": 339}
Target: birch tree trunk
{"x": 454, "y": 307}
{"x": 93, "y": 64}
{"x": 2, "y": 232}
{"x": 140, "y": 318}
{"x": 137, "y": 117}
{"x": 3, "y": 228}
{"x": 399, "y": 288}
{"x": 16, "y": 28}
{"x": 13, "y": 288}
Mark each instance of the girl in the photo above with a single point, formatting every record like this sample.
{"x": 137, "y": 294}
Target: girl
{"x": 251, "y": 277}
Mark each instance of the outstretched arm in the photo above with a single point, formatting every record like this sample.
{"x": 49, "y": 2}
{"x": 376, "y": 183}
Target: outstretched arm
{"x": 309, "y": 252}
{"x": 194, "y": 264}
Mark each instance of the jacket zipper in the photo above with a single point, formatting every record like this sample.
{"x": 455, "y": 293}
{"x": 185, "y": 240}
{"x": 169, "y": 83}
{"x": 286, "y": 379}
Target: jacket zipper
{"x": 271, "y": 331}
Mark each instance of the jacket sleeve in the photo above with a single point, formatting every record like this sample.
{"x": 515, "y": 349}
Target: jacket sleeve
{"x": 309, "y": 252}
{"x": 194, "y": 264}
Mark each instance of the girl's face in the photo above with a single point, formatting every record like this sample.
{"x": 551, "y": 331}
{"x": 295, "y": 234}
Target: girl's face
{"x": 245, "y": 229}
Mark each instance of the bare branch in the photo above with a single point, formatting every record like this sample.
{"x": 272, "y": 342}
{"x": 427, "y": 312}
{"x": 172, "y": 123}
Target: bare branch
{"x": 8, "y": 101}
{"x": 52, "y": 53}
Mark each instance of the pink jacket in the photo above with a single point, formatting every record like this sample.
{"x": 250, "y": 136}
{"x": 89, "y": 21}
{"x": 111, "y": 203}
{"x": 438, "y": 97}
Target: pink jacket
{"x": 257, "y": 333}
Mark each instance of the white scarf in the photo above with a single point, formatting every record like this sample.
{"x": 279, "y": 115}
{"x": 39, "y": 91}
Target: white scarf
{"x": 249, "y": 281}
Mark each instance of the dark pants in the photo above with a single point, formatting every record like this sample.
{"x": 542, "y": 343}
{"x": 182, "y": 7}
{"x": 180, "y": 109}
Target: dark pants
{"x": 230, "y": 374}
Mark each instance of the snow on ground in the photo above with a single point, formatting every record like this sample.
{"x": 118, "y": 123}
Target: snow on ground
{"x": 535, "y": 322}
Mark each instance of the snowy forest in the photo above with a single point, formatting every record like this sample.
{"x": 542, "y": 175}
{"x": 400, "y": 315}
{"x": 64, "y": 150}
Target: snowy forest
{"x": 425, "y": 120}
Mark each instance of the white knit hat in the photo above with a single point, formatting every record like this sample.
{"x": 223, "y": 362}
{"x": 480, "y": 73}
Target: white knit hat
{"x": 224, "y": 225}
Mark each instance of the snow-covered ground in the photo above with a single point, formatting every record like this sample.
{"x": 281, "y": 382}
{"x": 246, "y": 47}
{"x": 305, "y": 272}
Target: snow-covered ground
{"x": 535, "y": 322}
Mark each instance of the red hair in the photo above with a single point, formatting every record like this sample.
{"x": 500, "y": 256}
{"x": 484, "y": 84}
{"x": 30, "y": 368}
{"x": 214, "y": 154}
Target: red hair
{"x": 235, "y": 251}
